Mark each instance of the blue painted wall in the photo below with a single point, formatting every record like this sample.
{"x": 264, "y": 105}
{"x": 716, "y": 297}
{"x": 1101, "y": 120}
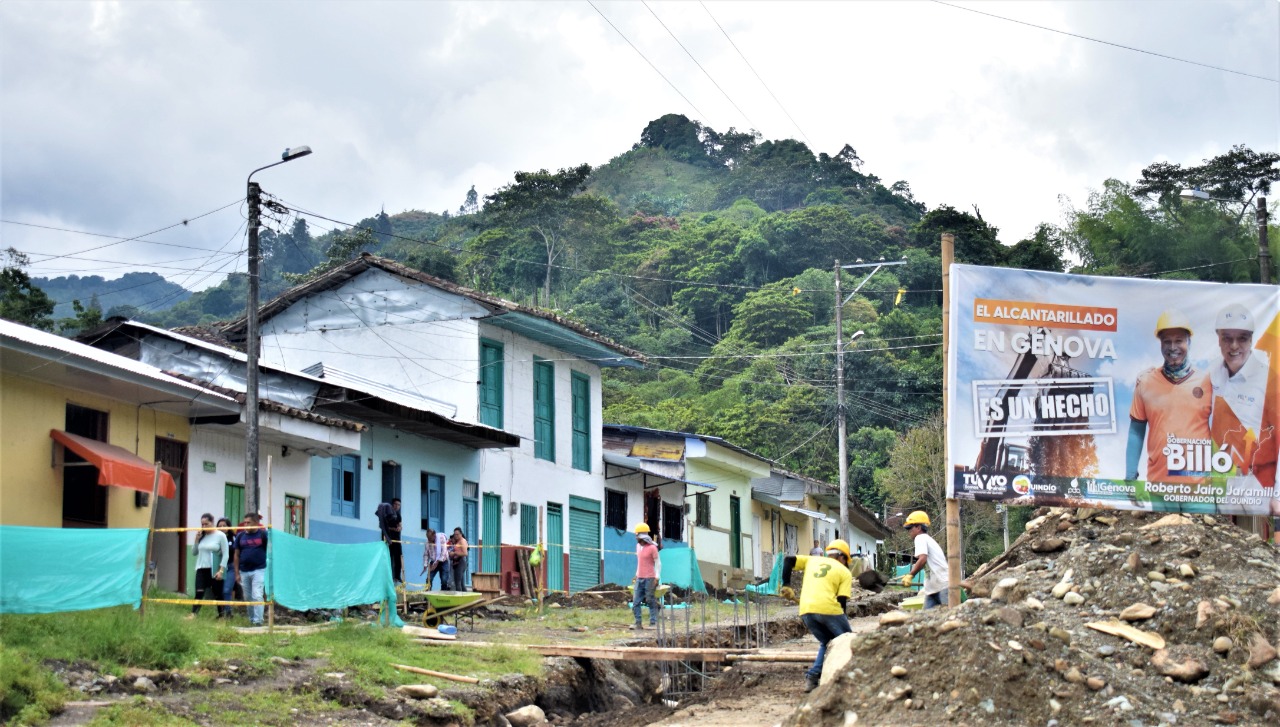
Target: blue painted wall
{"x": 415, "y": 456}
{"x": 620, "y": 554}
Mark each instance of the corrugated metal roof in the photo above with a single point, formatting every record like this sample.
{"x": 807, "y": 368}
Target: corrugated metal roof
{"x": 50, "y": 346}
{"x": 528, "y": 321}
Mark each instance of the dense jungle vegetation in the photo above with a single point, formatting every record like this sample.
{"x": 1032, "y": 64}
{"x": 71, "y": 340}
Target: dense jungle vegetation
{"x": 712, "y": 253}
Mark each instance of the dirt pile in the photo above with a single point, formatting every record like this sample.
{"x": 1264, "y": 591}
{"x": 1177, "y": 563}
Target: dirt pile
{"x": 1089, "y": 618}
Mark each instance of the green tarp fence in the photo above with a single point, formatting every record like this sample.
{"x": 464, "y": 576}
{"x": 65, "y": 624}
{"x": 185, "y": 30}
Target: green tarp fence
{"x": 308, "y": 574}
{"x": 680, "y": 568}
{"x": 771, "y": 586}
{"x": 50, "y": 570}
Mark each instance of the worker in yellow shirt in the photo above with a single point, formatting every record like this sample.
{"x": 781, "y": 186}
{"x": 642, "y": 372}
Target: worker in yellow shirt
{"x": 823, "y": 595}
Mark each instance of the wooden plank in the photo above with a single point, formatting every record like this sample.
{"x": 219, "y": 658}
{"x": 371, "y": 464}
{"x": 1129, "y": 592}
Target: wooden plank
{"x": 426, "y": 633}
{"x": 436, "y": 674}
{"x": 796, "y": 657}
{"x": 635, "y": 653}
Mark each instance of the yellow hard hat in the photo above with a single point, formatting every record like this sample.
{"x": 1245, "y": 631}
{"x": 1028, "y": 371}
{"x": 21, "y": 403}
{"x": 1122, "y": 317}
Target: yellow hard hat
{"x": 642, "y": 529}
{"x": 919, "y": 517}
{"x": 1173, "y": 319}
{"x": 838, "y": 545}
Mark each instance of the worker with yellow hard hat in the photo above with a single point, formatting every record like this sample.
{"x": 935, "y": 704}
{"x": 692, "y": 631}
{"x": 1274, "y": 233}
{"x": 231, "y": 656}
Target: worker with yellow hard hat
{"x": 928, "y": 555}
{"x": 1173, "y": 399}
{"x": 823, "y": 595}
{"x": 647, "y": 570}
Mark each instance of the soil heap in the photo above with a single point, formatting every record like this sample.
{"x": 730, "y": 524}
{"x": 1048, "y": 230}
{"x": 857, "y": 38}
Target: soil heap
{"x": 1090, "y": 617}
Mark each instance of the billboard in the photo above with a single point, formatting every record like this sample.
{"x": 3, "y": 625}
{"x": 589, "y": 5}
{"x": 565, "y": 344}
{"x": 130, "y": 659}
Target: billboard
{"x": 1117, "y": 393}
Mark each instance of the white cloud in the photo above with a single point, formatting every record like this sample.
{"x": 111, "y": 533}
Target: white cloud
{"x": 120, "y": 118}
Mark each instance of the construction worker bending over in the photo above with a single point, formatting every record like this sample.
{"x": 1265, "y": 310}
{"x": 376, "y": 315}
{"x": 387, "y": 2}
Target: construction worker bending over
{"x": 823, "y": 595}
{"x": 928, "y": 553}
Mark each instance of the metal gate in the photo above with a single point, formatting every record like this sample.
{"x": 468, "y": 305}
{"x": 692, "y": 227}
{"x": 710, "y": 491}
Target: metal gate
{"x": 584, "y": 543}
{"x": 555, "y": 547}
{"x": 490, "y": 557}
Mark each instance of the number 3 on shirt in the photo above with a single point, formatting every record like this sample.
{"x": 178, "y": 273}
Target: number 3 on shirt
{"x": 823, "y": 571}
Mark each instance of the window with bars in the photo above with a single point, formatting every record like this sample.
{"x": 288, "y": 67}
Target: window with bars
{"x": 702, "y": 510}
{"x": 615, "y": 509}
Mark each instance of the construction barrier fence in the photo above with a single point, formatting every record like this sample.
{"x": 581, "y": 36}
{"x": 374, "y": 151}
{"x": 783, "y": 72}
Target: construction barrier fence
{"x": 100, "y": 568}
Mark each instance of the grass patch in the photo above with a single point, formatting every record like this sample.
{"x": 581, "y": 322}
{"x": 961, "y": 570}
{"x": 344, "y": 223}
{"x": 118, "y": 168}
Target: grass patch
{"x": 261, "y": 708}
{"x": 114, "y": 636}
{"x": 138, "y": 712}
{"x": 29, "y": 693}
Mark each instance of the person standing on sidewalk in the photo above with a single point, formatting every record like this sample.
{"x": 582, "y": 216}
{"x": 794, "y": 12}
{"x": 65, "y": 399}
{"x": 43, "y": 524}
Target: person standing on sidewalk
{"x": 210, "y": 550}
{"x": 646, "y": 592}
{"x": 251, "y": 565}
{"x": 823, "y": 595}
{"x": 458, "y": 559}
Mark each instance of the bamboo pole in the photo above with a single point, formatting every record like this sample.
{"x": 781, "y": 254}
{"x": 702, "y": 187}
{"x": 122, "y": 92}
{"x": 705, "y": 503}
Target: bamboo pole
{"x": 437, "y": 674}
{"x": 151, "y": 526}
{"x": 270, "y": 594}
{"x": 953, "y": 505}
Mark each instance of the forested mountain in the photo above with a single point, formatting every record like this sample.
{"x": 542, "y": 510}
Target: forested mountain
{"x": 127, "y": 295}
{"x": 713, "y": 253}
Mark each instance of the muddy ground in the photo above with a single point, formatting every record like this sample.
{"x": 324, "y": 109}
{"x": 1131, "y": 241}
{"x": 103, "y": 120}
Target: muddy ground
{"x": 1025, "y": 649}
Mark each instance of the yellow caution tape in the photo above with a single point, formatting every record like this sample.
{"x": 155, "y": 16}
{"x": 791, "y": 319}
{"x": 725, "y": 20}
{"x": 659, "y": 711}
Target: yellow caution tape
{"x": 193, "y": 602}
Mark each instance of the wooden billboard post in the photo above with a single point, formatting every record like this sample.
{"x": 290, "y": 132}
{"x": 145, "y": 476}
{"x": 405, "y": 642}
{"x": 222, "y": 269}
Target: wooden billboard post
{"x": 953, "y": 506}
{"x": 151, "y": 534}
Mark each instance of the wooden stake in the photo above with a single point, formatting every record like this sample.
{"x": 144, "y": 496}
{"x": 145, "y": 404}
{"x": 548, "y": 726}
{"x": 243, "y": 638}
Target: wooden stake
{"x": 953, "y": 506}
{"x": 151, "y": 526}
{"x": 437, "y": 674}
{"x": 271, "y": 598}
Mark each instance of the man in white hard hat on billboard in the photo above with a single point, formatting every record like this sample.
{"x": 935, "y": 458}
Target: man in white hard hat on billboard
{"x": 1239, "y": 387}
{"x": 1239, "y": 420}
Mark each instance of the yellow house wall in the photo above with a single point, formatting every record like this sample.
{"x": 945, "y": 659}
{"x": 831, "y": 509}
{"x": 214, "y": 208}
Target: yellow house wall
{"x": 30, "y": 489}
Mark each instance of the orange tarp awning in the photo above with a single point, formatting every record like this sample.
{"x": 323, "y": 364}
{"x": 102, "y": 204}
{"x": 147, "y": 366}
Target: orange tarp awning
{"x": 116, "y": 465}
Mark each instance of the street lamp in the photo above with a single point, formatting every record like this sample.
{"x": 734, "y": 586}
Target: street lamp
{"x": 254, "y": 195}
{"x": 1264, "y": 248}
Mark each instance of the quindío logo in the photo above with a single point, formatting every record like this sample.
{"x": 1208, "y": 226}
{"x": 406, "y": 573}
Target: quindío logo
{"x": 1022, "y": 484}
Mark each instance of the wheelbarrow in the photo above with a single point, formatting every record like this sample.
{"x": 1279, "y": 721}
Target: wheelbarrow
{"x": 451, "y": 603}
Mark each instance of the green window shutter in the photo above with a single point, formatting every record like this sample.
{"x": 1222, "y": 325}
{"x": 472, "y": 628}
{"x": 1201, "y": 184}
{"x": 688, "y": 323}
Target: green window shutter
{"x": 233, "y": 503}
{"x": 581, "y": 386}
{"x": 491, "y": 558}
{"x": 528, "y": 525}
{"x": 544, "y": 410}
{"x": 491, "y": 378}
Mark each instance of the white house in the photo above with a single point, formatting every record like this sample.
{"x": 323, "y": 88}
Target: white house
{"x": 482, "y": 360}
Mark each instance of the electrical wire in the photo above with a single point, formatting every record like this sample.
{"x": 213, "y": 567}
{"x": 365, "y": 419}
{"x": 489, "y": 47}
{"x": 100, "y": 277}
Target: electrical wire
{"x": 753, "y": 71}
{"x": 1105, "y": 42}
{"x": 646, "y": 60}
{"x": 121, "y": 240}
{"x": 699, "y": 65}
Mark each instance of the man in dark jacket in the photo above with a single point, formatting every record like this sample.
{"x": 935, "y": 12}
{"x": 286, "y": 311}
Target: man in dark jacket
{"x": 390, "y": 522}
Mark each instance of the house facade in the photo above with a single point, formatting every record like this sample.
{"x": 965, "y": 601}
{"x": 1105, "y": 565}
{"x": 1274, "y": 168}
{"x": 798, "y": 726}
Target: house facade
{"x": 475, "y": 360}
{"x": 694, "y": 486}
{"x": 796, "y": 513}
{"x": 76, "y": 420}
{"x": 291, "y": 434}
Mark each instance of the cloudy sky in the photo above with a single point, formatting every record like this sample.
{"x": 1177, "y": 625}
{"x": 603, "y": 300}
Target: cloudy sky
{"x": 121, "y": 118}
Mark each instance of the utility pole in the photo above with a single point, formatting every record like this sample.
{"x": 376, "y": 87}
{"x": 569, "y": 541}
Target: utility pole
{"x": 1264, "y": 249}
{"x": 841, "y": 412}
{"x": 253, "y": 195}
{"x": 842, "y": 434}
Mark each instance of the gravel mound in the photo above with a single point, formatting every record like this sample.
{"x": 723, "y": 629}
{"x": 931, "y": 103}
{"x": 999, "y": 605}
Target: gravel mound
{"x": 1090, "y": 617}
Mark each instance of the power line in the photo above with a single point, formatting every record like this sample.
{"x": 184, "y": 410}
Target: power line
{"x": 120, "y": 240}
{"x": 753, "y": 70}
{"x": 699, "y": 65}
{"x": 646, "y": 60}
{"x": 1105, "y": 42}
